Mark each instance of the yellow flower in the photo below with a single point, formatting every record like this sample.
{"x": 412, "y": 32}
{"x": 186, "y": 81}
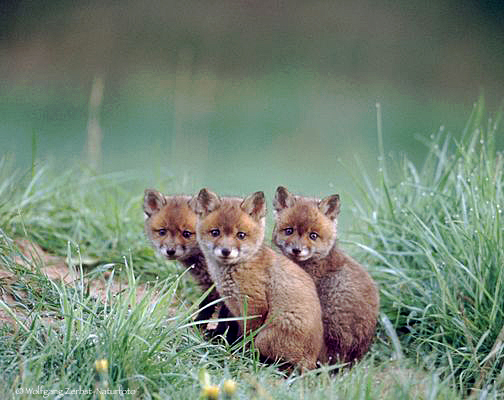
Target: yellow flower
{"x": 229, "y": 387}
{"x": 101, "y": 365}
{"x": 210, "y": 392}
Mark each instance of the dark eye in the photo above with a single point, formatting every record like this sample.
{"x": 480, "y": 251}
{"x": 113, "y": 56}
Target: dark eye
{"x": 288, "y": 231}
{"x": 313, "y": 236}
{"x": 186, "y": 234}
{"x": 241, "y": 235}
{"x": 162, "y": 232}
{"x": 215, "y": 232}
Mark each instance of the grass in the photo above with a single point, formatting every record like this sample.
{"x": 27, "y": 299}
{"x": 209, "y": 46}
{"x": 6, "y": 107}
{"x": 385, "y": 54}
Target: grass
{"x": 432, "y": 237}
{"x": 436, "y": 238}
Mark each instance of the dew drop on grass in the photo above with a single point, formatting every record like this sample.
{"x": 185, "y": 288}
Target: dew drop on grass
{"x": 92, "y": 340}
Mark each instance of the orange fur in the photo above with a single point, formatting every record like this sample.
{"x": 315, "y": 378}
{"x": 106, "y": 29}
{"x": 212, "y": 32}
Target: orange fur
{"x": 170, "y": 224}
{"x": 167, "y": 218}
{"x": 230, "y": 233}
{"x": 306, "y": 232}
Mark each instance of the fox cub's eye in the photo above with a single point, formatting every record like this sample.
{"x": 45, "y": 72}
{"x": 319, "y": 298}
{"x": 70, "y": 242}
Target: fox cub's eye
{"x": 186, "y": 234}
{"x": 215, "y": 232}
{"x": 162, "y": 232}
{"x": 241, "y": 235}
{"x": 288, "y": 231}
{"x": 313, "y": 236}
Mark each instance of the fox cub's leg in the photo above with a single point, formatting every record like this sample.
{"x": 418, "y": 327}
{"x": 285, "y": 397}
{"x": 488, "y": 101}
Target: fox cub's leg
{"x": 207, "y": 311}
{"x": 230, "y": 328}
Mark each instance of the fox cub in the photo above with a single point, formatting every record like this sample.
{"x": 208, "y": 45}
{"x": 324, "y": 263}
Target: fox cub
{"x": 305, "y": 231}
{"x": 170, "y": 224}
{"x": 230, "y": 232}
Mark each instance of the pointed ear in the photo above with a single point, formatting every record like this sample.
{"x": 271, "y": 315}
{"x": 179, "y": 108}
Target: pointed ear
{"x": 153, "y": 202}
{"x": 283, "y": 199}
{"x": 205, "y": 202}
{"x": 255, "y": 205}
{"x": 330, "y": 206}
{"x": 193, "y": 203}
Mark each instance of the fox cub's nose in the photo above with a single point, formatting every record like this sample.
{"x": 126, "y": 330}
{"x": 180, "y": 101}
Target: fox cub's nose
{"x": 225, "y": 252}
{"x": 170, "y": 252}
{"x": 296, "y": 251}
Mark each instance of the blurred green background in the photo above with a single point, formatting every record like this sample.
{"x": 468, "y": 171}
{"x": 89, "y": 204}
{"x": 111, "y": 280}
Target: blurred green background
{"x": 240, "y": 96}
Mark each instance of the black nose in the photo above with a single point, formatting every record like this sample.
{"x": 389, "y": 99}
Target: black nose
{"x": 296, "y": 251}
{"x": 225, "y": 252}
{"x": 170, "y": 252}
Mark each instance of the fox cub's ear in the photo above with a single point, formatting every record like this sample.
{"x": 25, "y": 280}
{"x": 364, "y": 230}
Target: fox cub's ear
{"x": 330, "y": 206}
{"x": 153, "y": 202}
{"x": 205, "y": 202}
{"x": 283, "y": 199}
{"x": 255, "y": 205}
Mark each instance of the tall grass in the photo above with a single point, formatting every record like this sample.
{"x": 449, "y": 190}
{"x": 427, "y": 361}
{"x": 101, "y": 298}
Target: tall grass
{"x": 147, "y": 349}
{"x": 436, "y": 237}
{"x": 99, "y": 213}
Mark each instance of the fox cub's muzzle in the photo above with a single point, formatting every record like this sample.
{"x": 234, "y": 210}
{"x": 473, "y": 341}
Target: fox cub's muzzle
{"x": 226, "y": 254}
{"x": 172, "y": 252}
{"x": 297, "y": 252}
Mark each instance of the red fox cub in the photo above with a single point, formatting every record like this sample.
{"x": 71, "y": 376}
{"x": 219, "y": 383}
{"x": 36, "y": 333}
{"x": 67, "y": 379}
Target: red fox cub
{"x": 230, "y": 232}
{"x": 305, "y": 231}
{"x": 170, "y": 224}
